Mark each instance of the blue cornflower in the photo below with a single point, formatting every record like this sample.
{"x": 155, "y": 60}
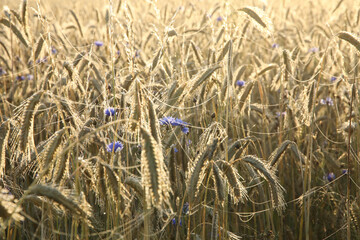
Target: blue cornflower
{"x": 2, "y": 71}
{"x": 173, "y": 221}
{"x": 278, "y": 114}
{"x": 42, "y": 60}
{"x": 333, "y": 79}
{"x": 29, "y": 77}
{"x": 53, "y": 50}
{"x": 20, "y": 78}
{"x": 175, "y": 122}
{"x": 313, "y": 49}
{"x": 176, "y": 150}
{"x": 186, "y": 208}
{"x": 167, "y": 120}
{"x": 116, "y": 146}
{"x": 275, "y": 45}
{"x": 98, "y": 43}
{"x": 137, "y": 53}
{"x": 182, "y": 124}
{"x": 219, "y": 19}
{"x": 185, "y": 130}
{"x": 110, "y": 112}
{"x": 344, "y": 171}
{"x": 328, "y": 101}
{"x": 240, "y": 83}
{"x": 330, "y": 176}
{"x": 179, "y": 122}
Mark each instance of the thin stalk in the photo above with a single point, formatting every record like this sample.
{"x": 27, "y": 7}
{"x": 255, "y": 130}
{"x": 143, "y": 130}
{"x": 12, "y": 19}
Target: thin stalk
{"x": 348, "y": 228}
{"x": 146, "y": 222}
{"x": 307, "y": 178}
{"x": 204, "y": 210}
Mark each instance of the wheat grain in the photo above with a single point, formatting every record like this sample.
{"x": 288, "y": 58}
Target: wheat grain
{"x": 59, "y": 196}
{"x": 24, "y": 16}
{"x": 278, "y": 152}
{"x": 60, "y": 168}
{"x": 259, "y": 18}
{"x": 77, "y": 22}
{"x": 9, "y": 208}
{"x": 266, "y": 68}
{"x": 137, "y": 110}
{"x": 219, "y": 184}
{"x": 193, "y": 183}
{"x": 78, "y": 58}
{"x": 48, "y": 154}
{"x": 154, "y": 176}
{"x": 245, "y": 95}
{"x": 26, "y": 118}
{"x": 276, "y": 189}
{"x": 196, "y": 52}
{"x": 39, "y": 46}
{"x": 224, "y": 51}
{"x": 350, "y": 38}
{"x": 203, "y": 77}
{"x": 4, "y": 138}
{"x": 154, "y": 122}
{"x": 101, "y": 180}
{"x": 214, "y": 225}
{"x": 135, "y": 183}
{"x": 113, "y": 182}
{"x": 15, "y": 30}
{"x": 5, "y": 49}
{"x": 157, "y": 59}
{"x": 238, "y": 191}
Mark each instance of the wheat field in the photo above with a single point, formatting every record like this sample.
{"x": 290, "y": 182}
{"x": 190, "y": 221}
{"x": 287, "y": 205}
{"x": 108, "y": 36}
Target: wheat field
{"x": 179, "y": 119}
